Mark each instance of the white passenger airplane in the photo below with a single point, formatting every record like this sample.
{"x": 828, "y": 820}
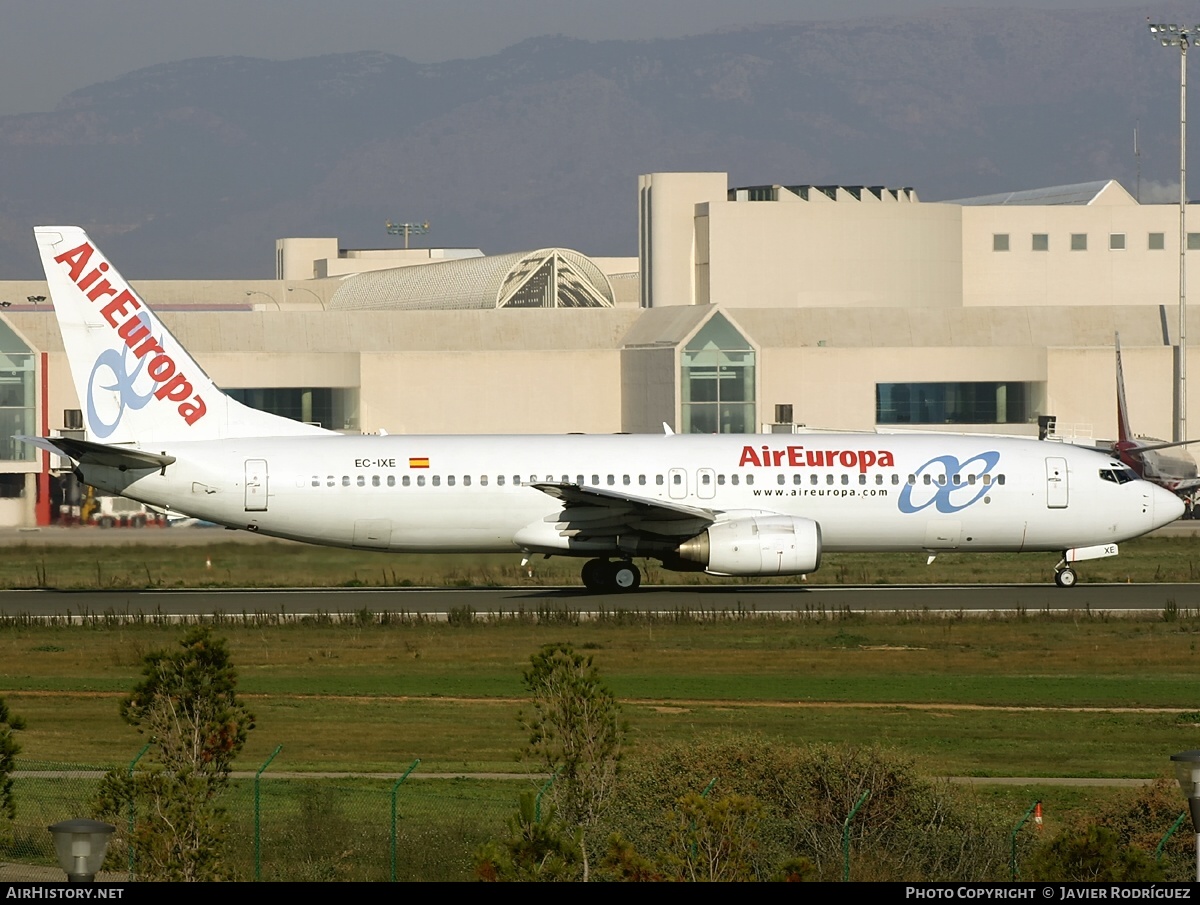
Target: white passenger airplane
{"x": 160, "y": 431}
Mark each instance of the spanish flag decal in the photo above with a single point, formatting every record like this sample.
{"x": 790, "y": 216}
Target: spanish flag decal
{"x": 419, "y": 462}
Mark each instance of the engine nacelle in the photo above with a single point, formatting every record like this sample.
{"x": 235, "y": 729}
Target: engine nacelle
{"x": 757, "y": 545}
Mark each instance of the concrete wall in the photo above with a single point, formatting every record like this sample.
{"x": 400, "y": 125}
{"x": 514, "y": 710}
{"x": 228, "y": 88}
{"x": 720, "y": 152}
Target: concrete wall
{"x": 1135, "y": 275}
{"x": 845, "y": 254}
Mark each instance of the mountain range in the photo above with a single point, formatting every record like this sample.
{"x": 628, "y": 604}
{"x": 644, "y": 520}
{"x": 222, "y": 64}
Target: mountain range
{"x": 191, "y": 170}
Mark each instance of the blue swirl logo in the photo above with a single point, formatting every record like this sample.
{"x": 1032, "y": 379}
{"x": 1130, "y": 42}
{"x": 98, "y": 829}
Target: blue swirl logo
{"x": 117, "y": 364}
{"x": 948, "y": 497}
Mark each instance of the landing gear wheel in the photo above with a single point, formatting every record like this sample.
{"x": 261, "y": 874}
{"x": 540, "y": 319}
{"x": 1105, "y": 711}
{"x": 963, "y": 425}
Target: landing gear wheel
{"x": 1065, "y": 578}
{"x": 624, "y": 576}
{"x": 594, "y": 573}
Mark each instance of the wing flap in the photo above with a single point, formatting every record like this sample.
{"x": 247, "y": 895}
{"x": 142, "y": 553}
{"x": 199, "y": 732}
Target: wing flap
{"x": 595, "y": 512}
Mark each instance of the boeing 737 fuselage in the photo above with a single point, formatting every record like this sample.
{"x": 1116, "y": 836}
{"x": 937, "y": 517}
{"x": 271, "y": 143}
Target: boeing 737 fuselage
{"x": 159, "y": 431}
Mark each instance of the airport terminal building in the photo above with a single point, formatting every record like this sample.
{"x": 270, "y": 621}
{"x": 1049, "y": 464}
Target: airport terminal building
{"x": 748, "y": 309}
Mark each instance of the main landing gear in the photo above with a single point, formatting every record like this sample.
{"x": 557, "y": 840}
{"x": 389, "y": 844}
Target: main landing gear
{"x": 608, "y": 577}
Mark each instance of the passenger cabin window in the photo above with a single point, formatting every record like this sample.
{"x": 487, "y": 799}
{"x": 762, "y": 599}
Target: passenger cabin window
{"x": 362, "y": 480}
{"x": 436, "y": 480}
{"x": 406, "y": 480}
{"x": 391, "y": 480}
{"x": 450, "y": 480}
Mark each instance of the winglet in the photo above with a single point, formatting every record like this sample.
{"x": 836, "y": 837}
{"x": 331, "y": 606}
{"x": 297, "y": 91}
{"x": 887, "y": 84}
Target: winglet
{"x": 667, "y": 429}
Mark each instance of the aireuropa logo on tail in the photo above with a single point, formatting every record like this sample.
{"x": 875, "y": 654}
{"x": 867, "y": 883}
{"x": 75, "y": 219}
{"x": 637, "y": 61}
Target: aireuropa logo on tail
{"x": 120, "y": 311}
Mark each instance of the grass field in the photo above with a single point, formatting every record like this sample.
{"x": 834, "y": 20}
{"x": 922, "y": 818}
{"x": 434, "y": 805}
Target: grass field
{"x": 1033, "y": 695}
{"x": 222, "y": 564}
{"x": 1082, "y": 694}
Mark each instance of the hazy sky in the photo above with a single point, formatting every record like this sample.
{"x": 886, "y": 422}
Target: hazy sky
{"x": 49, "y": 48}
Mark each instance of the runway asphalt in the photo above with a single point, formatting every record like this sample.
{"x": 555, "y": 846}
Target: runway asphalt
{"x": 750, "y": 599}
{"x": 723, "y": 601}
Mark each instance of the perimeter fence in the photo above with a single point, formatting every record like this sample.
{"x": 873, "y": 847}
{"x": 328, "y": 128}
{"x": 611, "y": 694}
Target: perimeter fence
{"x": 406, "y": 827}
{"x": 287, "y": 827}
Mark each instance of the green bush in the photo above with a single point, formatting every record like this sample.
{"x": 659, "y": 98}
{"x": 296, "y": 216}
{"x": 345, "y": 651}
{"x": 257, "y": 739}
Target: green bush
{"x": 909, "y": 827}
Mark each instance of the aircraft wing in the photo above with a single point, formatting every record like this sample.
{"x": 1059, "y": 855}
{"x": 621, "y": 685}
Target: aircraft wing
{"x": 87, "y": 453}
{"x": 591, "y": 512}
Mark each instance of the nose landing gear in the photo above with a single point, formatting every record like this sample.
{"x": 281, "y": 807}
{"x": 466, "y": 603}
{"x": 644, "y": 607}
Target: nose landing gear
{"x": 1065, "y": 577}
{"x": 605, "y": 576}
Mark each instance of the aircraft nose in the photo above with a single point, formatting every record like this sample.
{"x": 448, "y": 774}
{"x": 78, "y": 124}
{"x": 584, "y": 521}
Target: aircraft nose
{"x": 1167, "y": 506}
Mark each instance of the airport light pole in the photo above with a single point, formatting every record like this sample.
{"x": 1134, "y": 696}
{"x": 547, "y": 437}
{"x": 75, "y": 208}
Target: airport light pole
{"x": 1180, "y": 36}
{"x": 320, "y": 301}
{"x": 251, "y": 292}
{"x": 407, "y": 229}
{"x": 1187, "y": 772}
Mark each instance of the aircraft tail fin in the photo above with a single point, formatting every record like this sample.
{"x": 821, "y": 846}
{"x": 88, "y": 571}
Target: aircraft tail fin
{"x": 135, "y": 382}
{"x": 1124, "y": 434}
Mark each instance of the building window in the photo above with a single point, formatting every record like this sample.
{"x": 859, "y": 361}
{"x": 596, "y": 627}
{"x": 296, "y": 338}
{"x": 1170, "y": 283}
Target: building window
{"x": 1193, "y": 241}
{"x": 975, "y": 402}
{"x": 1000, "y": 242}
{"x": 17, "y": 388}
{"x": 1041, "y": 242}
{"x": 1078, "y": 241}
{"x": 1156, "y": 242}
{"x": 335, "y": 408}
{"x": 717, "y": 381}
{"x": 1116, "y": 241}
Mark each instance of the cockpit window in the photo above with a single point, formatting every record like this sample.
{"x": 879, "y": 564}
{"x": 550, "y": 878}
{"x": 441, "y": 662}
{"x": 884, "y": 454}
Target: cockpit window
{"x": 1118, "y": 475}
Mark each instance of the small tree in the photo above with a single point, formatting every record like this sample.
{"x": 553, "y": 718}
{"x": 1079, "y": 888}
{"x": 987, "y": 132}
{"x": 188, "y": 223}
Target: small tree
{"x": 715, "y": 840}
{"x": 187, "y": 703}
{"x": 536, "y": 849}
{"x": 575, "y": 732}
{"x": 1093, "y": 854}
{"x": 10, "y": 723}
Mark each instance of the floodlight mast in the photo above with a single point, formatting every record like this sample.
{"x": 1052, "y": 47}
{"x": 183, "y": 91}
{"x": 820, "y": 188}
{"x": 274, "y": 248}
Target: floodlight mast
{"x": 407, "y": 229}
{"x": 1180, "y": 36}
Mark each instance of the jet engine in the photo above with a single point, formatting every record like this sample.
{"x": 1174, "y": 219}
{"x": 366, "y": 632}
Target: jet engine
{"x": 757, "y": 545}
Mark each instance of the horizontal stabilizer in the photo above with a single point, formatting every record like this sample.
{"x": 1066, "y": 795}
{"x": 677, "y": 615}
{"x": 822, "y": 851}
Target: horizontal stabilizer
{"x": 87, "y": 453}
{"x": 1139, "y": 446}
